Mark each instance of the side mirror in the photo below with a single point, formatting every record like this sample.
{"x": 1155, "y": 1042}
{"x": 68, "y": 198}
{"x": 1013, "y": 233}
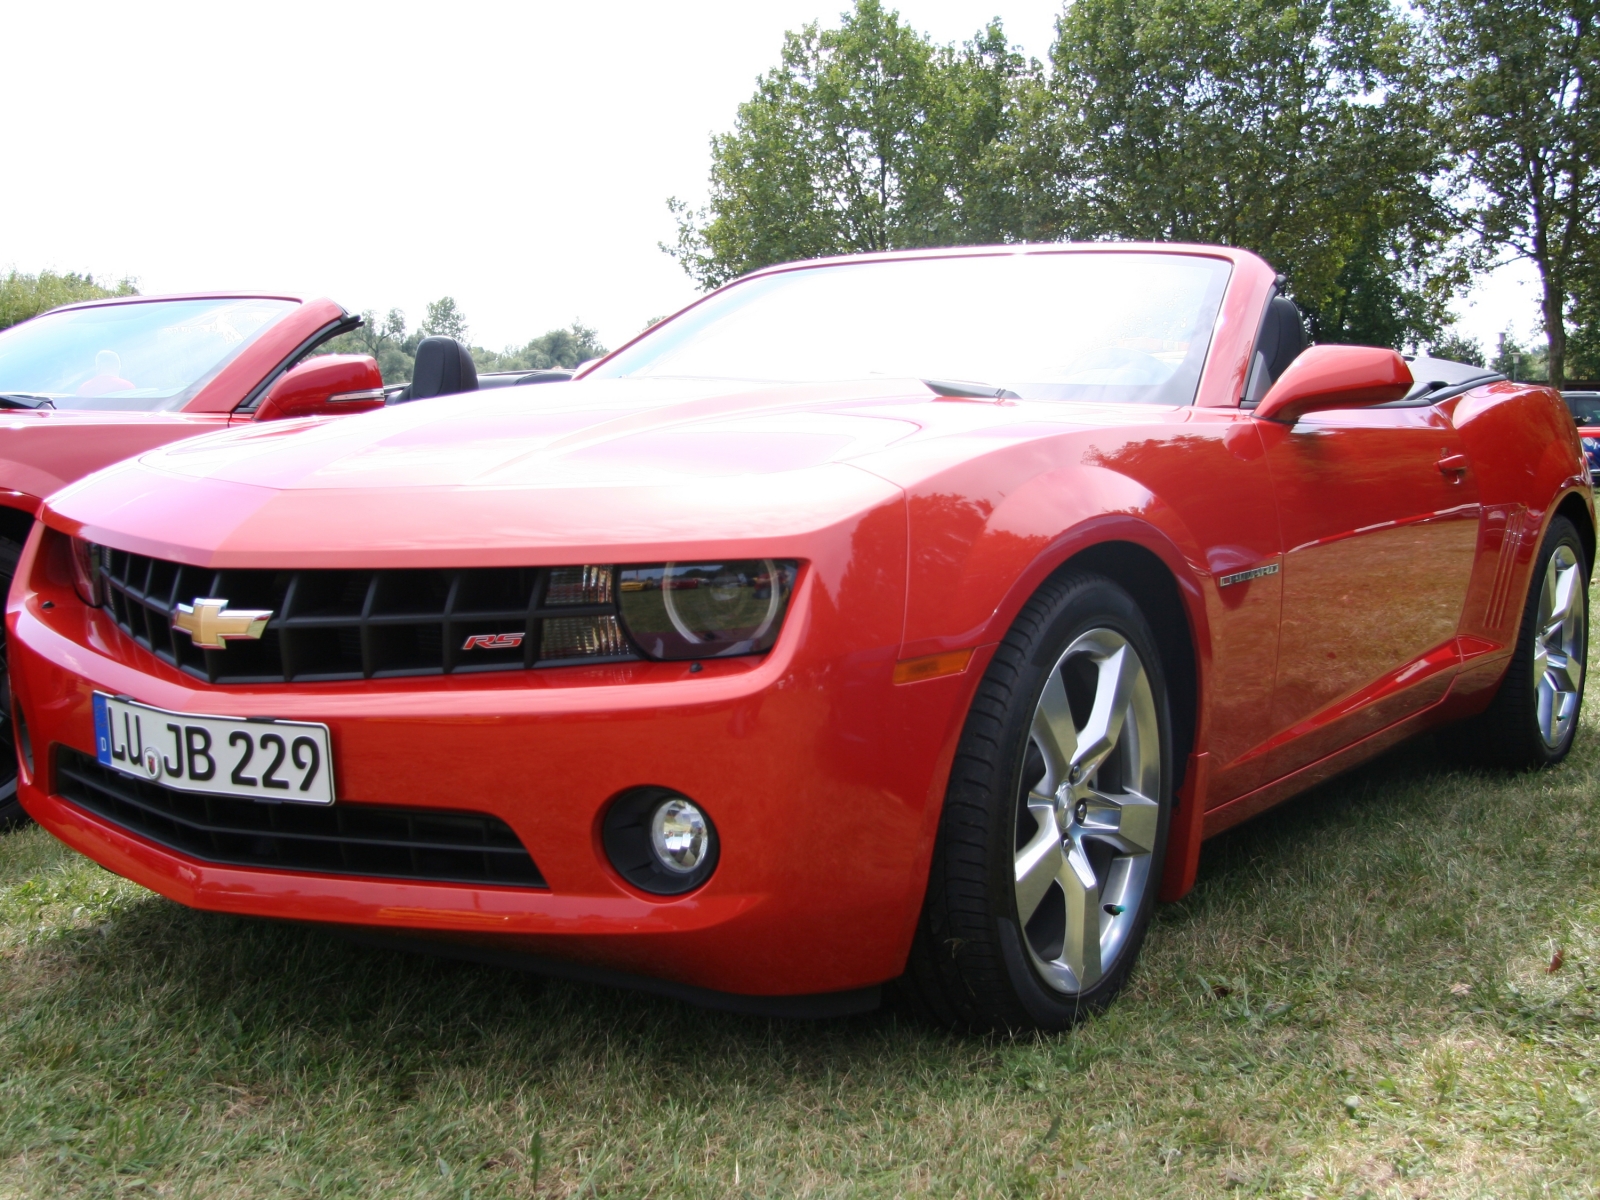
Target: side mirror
{"x": 1336, "y": 377}
{"x": 331, "y": 385}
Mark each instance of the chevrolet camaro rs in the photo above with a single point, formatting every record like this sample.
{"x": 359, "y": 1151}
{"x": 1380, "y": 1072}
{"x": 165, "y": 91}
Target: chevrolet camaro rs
{"x": 901, "y": 618}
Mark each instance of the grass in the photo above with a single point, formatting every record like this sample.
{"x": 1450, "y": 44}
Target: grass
{"x": 1357, "y": 1000}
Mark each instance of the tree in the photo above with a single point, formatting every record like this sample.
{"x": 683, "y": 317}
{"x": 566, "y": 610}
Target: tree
{"x": 396, "y": 350}
{"x": 867, "y": 138}
{"x": 384, "y": 339}
{"x": 1583, "y": 316}
{"x": 23, "y": 296}
{"x": 557, "y": 348}
{"x": 1294, "y": 128}
{"x": 1517, "y": 362}
{"x": 1525, "y": 118}
{"x": 444, "y": 319}
{"x": 1458, "y": 348}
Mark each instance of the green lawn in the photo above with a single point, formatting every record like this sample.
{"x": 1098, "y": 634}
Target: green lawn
{"x": 1356, "y": 1001}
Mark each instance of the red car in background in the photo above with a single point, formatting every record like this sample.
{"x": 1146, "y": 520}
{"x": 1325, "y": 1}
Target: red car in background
{"x": 89, "y": 384}
{"x": 908, "y": 617}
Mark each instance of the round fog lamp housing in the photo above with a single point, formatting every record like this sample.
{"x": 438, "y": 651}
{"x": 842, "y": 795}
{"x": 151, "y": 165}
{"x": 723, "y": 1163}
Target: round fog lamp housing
{"x": 659, "y": 840}
{"x": 680, "y": 835}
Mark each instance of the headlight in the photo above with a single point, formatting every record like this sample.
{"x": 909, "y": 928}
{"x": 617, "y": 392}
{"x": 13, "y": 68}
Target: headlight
{"x": 706, "y": 609}
{"x": 86, "y": 572}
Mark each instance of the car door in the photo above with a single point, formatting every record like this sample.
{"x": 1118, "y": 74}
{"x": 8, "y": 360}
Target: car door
{"x": 1379, "y": 515}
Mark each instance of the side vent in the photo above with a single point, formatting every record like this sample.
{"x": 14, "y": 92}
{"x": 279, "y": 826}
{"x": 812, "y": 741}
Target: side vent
{"x": 1505, "y": 569}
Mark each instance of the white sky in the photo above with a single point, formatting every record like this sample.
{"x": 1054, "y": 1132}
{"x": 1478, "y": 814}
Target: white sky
{"x": 517, "y": 156}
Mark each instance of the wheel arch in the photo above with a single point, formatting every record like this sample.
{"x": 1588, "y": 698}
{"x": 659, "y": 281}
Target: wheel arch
{"x": 1154, "y": 588}
{"x": 1573, "y": 507}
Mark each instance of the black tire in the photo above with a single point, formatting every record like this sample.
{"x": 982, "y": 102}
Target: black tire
{"x": 12, "y": 813}
{"x": 974, "y": 964}
{"x": 1509, "y": 734}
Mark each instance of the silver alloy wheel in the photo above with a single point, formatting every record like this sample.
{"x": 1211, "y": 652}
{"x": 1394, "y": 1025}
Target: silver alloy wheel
{"x": 1560, "y": 645}
{"x": 1089, "y": 810}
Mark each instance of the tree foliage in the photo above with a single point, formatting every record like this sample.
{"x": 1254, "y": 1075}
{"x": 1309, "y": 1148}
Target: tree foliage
{"x": 23, "y": 296}
{"x": 558, "y": 348}
{"x": 1583, "y": 332}
{"x": 867, "y": 138}
{"x": 1458, "y": 348}
{"x": 1288, "y": 127}
{"x": 386, "y": 339}
{"x": 1524, "y": 115}
{"x": 444, "y": 319}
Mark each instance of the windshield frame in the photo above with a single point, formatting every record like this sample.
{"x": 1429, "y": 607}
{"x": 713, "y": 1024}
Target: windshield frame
{"x": 1234, "y": 285}
{"x": 180, "y": 400}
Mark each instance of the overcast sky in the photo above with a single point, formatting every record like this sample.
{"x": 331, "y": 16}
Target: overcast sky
{"x": 515, "y": 156}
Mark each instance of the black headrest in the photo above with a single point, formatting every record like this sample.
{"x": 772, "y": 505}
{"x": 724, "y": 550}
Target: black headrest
{"x": 1283, "y": 335}
{"x": 443, "y": 367}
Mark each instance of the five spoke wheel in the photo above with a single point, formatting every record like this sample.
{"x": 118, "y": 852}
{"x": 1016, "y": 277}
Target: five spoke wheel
{"x": 1088, "y": 812}
{"x": 1560, "y": 645}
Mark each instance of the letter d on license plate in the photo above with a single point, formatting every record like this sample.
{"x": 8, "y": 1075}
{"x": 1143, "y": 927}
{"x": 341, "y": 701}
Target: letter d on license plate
{"x": 225, "y": 756}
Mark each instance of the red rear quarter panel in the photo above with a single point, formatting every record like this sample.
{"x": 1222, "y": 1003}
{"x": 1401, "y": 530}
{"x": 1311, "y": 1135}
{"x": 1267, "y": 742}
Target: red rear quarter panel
{"x": 1528, "y": 459}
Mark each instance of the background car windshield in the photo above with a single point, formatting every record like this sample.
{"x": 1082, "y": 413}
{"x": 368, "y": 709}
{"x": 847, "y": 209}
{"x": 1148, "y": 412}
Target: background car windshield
{"x": 1097, "y": 325}
{"x": 150, "y": 356}
{"x": 1585, "y": 407}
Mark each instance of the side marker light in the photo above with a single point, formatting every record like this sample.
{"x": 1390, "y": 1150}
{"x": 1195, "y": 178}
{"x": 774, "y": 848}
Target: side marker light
{"x": 931, "y": 666}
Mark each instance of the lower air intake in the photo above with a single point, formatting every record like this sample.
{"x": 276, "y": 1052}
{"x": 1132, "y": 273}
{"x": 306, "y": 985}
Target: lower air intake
{"x": 439, "y": 846}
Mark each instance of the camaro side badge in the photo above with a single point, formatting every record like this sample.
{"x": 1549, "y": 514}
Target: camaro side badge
{"x": 209, "y": 622}
{"x": 492, "y": 641}
{"x": 1246, "y": 576}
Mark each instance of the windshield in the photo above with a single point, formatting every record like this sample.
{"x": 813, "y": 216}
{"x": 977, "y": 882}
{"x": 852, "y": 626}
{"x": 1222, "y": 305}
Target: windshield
{"x": 1123, "y": 326}
{"x": 147, "y": 356}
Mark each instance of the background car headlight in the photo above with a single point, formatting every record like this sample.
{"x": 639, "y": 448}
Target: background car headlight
{"x": 706, "y": 609}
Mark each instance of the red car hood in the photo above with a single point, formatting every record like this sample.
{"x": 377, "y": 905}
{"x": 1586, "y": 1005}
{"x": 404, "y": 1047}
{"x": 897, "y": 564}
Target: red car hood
{"x": 625, "y": 469}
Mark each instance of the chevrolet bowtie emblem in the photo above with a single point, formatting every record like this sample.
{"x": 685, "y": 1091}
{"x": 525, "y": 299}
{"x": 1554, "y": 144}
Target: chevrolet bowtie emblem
{"x": 210, "y": 621}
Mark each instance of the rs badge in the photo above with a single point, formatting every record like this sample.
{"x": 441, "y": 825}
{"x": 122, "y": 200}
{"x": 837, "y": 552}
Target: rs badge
{"x": 210, "y": 622}
{"x": 492, "y": 641}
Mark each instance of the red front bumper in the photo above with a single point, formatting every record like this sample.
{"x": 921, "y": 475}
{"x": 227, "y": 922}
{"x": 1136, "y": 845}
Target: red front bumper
{"x": 824, "y": 779}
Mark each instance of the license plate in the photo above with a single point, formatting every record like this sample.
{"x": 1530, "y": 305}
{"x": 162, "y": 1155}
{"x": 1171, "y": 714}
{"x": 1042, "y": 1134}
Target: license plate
{"x": 226, "y": 756}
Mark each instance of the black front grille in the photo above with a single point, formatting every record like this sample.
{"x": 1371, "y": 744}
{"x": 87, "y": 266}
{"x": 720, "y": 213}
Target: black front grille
{"x": 333, "y": 624}
{"x": 337, "y": 839}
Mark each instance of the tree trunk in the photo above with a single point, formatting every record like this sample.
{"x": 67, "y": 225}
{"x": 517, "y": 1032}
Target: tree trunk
{"x": 1555, "y": 326}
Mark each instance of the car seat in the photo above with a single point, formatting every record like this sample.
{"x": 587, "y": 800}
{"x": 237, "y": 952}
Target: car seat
{"x": 1280, "y": 342}
{"x": 443, "y": 367}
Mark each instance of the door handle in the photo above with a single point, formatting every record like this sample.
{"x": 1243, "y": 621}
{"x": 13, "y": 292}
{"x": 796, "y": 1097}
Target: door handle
{"x": 1453, "y": 467}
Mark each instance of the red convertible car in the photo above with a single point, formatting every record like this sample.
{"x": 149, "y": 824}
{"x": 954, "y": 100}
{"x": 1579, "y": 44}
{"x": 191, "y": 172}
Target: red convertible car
{"x": 902, "y": 618}
{"x": 88, "y": 384}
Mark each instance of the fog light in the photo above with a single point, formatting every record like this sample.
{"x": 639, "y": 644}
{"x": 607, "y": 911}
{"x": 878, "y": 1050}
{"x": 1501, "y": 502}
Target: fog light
{"x": 660, "y": 841}
{"x": 679, "y": 835}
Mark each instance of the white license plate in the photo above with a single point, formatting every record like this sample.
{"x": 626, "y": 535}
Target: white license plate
{"x": 226, "y": 756}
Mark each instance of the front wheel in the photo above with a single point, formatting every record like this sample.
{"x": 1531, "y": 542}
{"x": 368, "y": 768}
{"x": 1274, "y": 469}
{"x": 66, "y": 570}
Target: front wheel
{"x": 1055, "y": 820}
